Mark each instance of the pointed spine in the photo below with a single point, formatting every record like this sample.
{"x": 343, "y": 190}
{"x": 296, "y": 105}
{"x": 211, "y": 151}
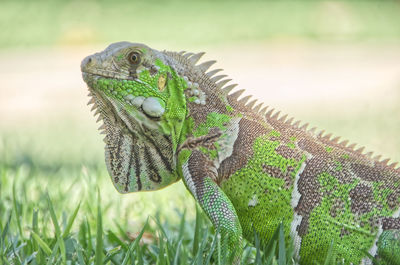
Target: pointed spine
{"x": 283, "y": 118}
{"x": 222, "y": 83}
{"x": 360, "y": 150}
{"x": 237, "y": 94}
{"x": 102, "y": 127}
{"x": 369, "y": 154}
{"x": 385, "y": 161}
{"x": 289, "y": 121}
{"x": 204, "y": 66}
{"x": 296, "y": 124}
{"x": 276, "y": 115}
{"x": 244, "y": 100}
{"x": 257, "y": 108}
{"x": 187, "y": 55}
{"x": 377, "y": 158}
{"x": 327, "y": 137}
{"x": 269, "y": 113}
{"x": 229, "y": 88}
{"x": 251, "y": 104}
{"x": 351, "y": 147}
{"x": 217, "y": 78}
{"x": 91, "y": 101}
{"x": 344, "y": 143}
{"x": 263, "y": 111}
{"x": 196, "y": 57}
{"x": 312, "y": 130}
{"x": 213, "y": 72}
{"x": 304, "y": 127}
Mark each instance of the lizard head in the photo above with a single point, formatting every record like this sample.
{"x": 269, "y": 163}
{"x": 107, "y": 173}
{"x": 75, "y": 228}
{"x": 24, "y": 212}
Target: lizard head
{"x": 140, "y": 98}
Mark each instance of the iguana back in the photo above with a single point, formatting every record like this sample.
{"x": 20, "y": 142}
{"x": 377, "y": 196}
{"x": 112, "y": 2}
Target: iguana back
{"x": 322, "y": 190}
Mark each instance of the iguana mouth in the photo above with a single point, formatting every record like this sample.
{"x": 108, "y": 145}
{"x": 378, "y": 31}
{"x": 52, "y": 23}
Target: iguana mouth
{"x": 88, "y": 70}
{"x": 101, "y": 73}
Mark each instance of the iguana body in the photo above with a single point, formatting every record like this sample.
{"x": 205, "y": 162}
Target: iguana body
{"x": 166, "y": 118}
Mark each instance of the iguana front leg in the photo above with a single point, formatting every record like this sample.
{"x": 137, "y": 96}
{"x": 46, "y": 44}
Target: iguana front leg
{"x": 199, "y": 175}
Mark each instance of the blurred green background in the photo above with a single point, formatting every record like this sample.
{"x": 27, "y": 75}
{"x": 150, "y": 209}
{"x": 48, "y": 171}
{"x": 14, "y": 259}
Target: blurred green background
{"x": 29, "y": 24}
{"x": 335, "y": 64}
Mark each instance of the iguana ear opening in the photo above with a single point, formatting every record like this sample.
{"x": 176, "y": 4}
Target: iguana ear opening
{"x": 136, "y": 164}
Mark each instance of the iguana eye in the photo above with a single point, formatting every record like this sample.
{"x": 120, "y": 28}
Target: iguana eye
{"x": 134, "y": 57}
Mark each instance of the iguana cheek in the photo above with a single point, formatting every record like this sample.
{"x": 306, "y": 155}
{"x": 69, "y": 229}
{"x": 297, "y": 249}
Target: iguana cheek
{"x": 153, "y": 107}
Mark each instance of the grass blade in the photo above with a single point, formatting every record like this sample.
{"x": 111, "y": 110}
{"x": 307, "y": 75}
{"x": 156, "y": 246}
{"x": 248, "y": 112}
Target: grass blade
{"x": 177, "y": 253}
{"x": 109, "y": 255}
{"x": 79, "y": 253}
{"x": 17, "y": 211}
{"x": 161, "y": 250}
{"x": 196, "y": 239}
{"x": 258, "y": 248}
{"x": 182, "y": 225}
{"x": 60, "y": 240}
{"x": 5, "y": 230}
{"x": 133, "y": 244}
{"x": 115, "y": 238}
{"x": 41, "y": 243}
{"x": 139, "y": 252}
{"x": 99, "y": 234}
{"x": 89, "y": 246}
{"x": 282, "y": 247}
{"x": 214, "y": 242}
{"x": 70, "y": 222}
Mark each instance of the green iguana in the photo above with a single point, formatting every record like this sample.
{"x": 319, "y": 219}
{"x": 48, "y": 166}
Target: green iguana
{"x": 250, "y": 169}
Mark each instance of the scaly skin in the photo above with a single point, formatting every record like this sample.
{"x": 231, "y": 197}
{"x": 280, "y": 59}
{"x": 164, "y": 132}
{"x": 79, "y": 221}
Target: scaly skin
{"x": 165, "y": 119}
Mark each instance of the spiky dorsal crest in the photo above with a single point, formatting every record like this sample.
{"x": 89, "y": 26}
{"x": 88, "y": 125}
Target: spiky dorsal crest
{"x": 219, "y": 82}
{"x": 228, "y": 88}
{"x": 244, "y": 100}
{"x": 213, "y": 72}
{"x": 275, "y": 116}
{"x": 217, "y": 78}
{"x": 251, "y": 104}
{"x": 258, "y": 107}
{"x": 236, "y": 94}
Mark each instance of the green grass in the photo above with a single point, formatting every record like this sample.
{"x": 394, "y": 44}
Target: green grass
{"x": 40, "y": 232}
{"x": 164, "y": 243}
{"x": 195, "y": 23}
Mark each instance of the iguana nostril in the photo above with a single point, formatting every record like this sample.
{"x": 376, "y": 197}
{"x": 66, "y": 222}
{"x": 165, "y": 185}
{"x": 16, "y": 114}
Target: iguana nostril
{"x": 85, "y": 62}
